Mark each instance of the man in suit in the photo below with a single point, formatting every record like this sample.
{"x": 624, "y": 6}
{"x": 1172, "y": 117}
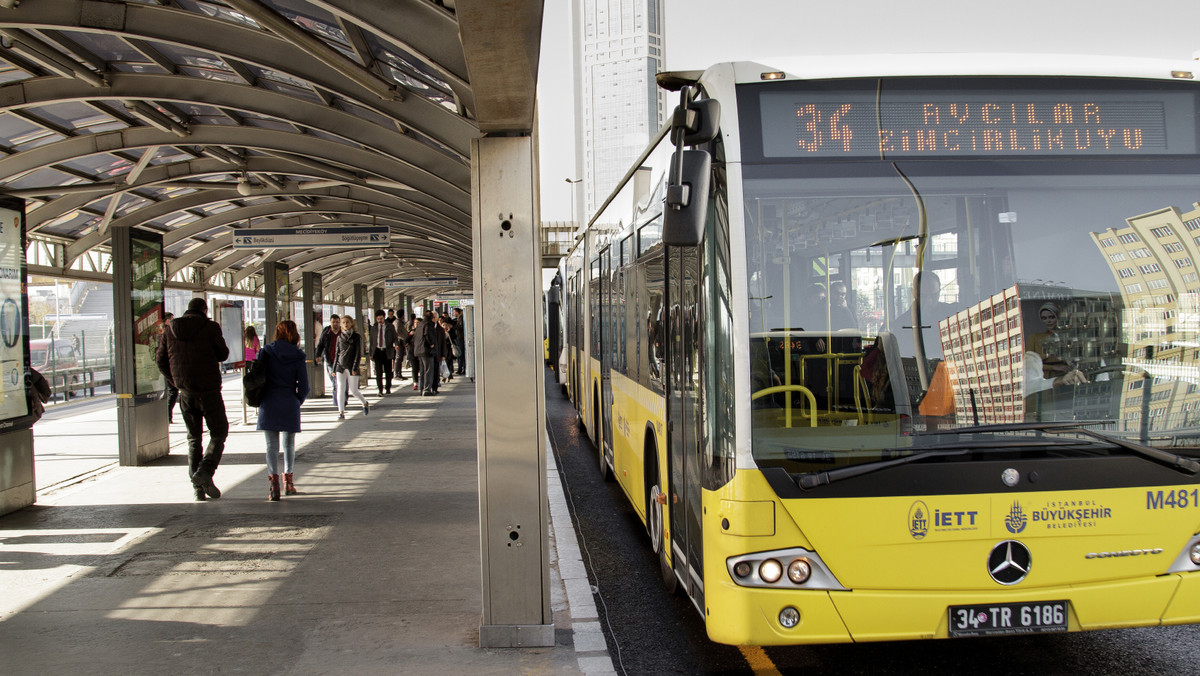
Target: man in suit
{"x": 383, "y": 343}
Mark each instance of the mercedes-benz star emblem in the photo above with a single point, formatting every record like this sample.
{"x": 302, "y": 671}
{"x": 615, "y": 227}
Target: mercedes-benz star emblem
{"x": 1009, "y": 562}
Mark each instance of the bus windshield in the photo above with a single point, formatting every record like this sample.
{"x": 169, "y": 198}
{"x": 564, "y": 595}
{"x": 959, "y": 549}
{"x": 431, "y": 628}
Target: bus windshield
{"x": 925, "y": 256}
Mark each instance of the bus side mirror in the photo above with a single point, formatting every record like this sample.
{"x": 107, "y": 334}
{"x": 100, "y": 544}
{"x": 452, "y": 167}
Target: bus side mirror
{"x": 699, "y": 121}
{"x": 686, "y": 205}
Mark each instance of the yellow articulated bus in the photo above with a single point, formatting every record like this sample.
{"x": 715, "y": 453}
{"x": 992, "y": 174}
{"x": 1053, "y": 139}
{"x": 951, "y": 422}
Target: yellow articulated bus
{"x": 906, "y": 348}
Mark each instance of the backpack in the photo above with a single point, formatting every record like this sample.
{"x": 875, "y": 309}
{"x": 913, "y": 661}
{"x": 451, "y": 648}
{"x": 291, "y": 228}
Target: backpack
{"x": 254, "y": 381}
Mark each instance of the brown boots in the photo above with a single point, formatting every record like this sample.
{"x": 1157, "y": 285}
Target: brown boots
{"x": 288, "y": 487}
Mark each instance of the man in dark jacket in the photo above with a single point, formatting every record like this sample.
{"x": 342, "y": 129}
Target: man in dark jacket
{"x": 460, "y": 341}
{"x": 424, "y": 342}
{"x": 190, "y": 355}
{"x": 327, "y": 351}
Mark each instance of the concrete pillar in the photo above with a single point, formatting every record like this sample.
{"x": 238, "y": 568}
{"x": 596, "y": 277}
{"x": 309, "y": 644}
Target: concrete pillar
{"x": 142, "y": 433}
{"x": 310, "y": 289}
{"x": 17, "y": 489}
{"x": 510, "y": 397}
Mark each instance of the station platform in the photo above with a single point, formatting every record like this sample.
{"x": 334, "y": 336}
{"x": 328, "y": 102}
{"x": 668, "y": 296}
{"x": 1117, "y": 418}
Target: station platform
{"x": 374, "y": 568}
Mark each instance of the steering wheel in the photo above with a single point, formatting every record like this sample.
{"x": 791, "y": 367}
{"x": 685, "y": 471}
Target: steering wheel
{"x": 776, "y": 389}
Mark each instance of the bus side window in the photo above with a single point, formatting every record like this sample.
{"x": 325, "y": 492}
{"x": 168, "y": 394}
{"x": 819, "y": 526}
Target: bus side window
{"x": 652, "y": 317}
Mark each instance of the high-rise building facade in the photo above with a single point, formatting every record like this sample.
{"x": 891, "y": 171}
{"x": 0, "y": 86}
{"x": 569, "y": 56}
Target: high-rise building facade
{"x": 987, "y": 347}
{"x": 619, "y": 50}
{"x": 1154, "y": 260}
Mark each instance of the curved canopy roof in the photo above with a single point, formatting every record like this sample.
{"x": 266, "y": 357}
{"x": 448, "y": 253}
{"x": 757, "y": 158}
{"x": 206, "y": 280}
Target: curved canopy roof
{"x": 196, "y": 118}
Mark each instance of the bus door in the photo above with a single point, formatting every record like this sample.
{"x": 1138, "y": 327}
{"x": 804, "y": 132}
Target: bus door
{"x": 684, "y": 440}
{"x": 575, "y": 345}
{"x": 589, "y": 398}
{"x": 606, "y": 350}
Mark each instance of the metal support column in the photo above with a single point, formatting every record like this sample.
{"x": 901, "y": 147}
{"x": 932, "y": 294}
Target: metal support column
{"x": 310, "y": 289}
{"x": 376, "y": 301}
{"x": 270, "y": 299}
{"x": 360, "y": 301}
{"x": 509, "y": 395}
{"x": 360, "y": 316}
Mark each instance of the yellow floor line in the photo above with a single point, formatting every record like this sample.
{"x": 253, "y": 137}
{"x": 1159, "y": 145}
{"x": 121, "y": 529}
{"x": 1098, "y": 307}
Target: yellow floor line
{"x": 757, "y": 658}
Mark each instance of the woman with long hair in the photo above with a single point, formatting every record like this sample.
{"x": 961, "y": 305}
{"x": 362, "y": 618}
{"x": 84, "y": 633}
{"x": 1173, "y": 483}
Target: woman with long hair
{"x": 250, "y": 344}
{"x": 279, "y": 412}
{"x": 345, "y": 365}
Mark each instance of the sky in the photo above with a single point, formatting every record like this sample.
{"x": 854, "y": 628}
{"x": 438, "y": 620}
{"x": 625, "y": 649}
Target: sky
{"x": 700, "y": 33}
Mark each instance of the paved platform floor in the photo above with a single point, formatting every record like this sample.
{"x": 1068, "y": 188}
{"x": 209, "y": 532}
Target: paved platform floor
{"x": 373, "y": 569}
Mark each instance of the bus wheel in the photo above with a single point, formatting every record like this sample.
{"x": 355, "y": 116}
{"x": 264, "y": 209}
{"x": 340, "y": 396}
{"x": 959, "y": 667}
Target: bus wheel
{"x": 601, "y": 462}
{"x": 655, "y": 506}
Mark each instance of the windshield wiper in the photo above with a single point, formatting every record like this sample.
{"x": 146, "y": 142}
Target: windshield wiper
{"x": 814, "y": 479}
{"x": 1018, "y": 427}
{"x": 1172, "y": 460}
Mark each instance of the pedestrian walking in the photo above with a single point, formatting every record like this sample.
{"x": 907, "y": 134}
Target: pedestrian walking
{"x": 250, "y": 344}
{"x": 349, "y": 352}
{"x": 460, "y": 342}
{"x": 190, "y": 356}
{"x": 425, "y": 348}
{"x": 413, "y": 359}
{"x": 172, "y": 391}
{"x": 401, "y": 347}
{"x": 279, "y": 412}
{"x": 327, "y": 352}
{"x": 383, "y": 351}
{"x": 445, "y": 360}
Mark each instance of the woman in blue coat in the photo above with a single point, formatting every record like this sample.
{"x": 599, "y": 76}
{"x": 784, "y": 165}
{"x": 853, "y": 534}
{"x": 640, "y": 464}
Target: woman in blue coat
{"x": 279, "y": 412}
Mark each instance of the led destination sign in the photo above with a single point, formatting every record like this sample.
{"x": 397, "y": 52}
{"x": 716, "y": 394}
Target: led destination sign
{"x": 823, "y": 124}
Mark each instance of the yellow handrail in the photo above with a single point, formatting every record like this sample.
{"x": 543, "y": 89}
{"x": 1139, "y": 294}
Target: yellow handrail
{"x": 812, "y": 401}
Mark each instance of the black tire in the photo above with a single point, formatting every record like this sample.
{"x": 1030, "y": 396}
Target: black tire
{"x": 656, "y": 526}
{"x": 602, "y": 463}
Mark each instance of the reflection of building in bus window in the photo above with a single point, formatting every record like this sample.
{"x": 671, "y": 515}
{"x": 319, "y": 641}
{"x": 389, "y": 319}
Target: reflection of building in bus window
{"x": 1050, "y": 344}
{"x": 654, "y": 337}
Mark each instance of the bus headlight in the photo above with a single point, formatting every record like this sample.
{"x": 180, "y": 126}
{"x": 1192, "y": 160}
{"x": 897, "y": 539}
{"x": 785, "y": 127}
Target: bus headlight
{"x": 1189, "y": 559}
{"x": 799, "y": 571}
{"x": 804, "y": 570}
{"x": 789, "y": 617}
{"x": 770, "y": 571}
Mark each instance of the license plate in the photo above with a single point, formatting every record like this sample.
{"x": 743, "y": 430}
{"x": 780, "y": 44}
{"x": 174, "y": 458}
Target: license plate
{"x": 1008, "y": 618}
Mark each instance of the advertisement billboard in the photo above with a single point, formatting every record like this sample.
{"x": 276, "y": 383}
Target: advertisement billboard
{"x": 14, "y": 331}
{"x": 146, "y": 278}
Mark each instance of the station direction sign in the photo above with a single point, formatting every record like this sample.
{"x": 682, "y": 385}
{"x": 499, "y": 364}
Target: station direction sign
{"x": 353, "y": 237}
{"x": 445, "y": 297}
{"x": 419, "y": 282}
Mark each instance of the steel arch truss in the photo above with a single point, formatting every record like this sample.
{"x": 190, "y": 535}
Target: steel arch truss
{"x": 195, "y": 119}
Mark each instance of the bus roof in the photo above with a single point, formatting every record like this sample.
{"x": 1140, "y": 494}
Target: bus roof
{"x": 952, "y": 64}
